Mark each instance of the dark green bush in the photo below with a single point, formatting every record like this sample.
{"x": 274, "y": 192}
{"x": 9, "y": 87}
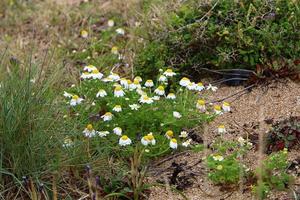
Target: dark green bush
{"x": 224, "y": 34}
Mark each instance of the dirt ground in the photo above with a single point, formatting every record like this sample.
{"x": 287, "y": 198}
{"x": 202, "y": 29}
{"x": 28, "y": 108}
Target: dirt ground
{"x": 277, "y": 101}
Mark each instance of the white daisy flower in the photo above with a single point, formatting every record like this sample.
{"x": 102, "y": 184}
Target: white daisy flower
{"x": 242, "y": 141}
{"x": 226, "y": 107}
{"x": 156, "y": 98}
{"x": 86, "y": 75}
{"x": 102, "y": 133}
{"x": 67, "y": 142}
{"x": 169, "y": 72}
{"x": 107, "y": 116}
{"x": 101, "y": 93}
{"x": 200, "y": 86}
{"x": 114, "y": 76}
{"x": 136, "y": 84}
{"x": 149, "y": 83}
{"x": 221, "y": 129}
{"x": 117, "y": 131}
{"x": 141, "y": 92}
{"x": 212, "y": 88}
{"x": 162, "y": 78}
{"x": 96, "y": 74}
{"x": 169, "y": 134}
{"x": 89, "y": 131}
{"x": 173, "y": 143}
{"x": 115, "y": 50}
{"x": 124, "y": 140}
{"x": 148, "y": 139}
{"x": 67, "y": 95}
{"x": 107, "y": 79}
{"x": 118, "y": 92}
{"x": 84, "y": 34}
{"x": 184, "y": 82}
{"x": 145, "y": 99}
{"x": 171, "y": 96}
{"x": 110, "y": 23}
{"x": 218, "y": 158}
{"x": 218, "y": 110}
{"x": 183, "y": 134}
{"x": 187, "y": 143}
{"x": 160, "y": 90}
{"x": 176, "y": 114}
{"x": 124, "y": 82}
{"x": 134, "y": 106}
{"x": 138, "y": 79}
{"x": 120, "y": 31}
{"x": 191, "y": 86}
{"x": 75, "y": 100}
{"x": 201, "y": 105}
{"x": 117, "y": 108}
{"x": 89, "y": 68}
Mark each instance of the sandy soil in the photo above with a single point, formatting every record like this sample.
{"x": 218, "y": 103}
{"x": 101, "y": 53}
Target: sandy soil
{"x": 278, "y": 100}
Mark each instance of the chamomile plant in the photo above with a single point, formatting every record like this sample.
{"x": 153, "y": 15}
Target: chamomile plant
{"x": 224, "y": 163}
{"x": 116, "y": 113}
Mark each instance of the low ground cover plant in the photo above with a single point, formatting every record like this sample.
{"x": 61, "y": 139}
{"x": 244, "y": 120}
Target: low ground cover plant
{"x": 225, "y": 163}
{"x": 273, "y": 174}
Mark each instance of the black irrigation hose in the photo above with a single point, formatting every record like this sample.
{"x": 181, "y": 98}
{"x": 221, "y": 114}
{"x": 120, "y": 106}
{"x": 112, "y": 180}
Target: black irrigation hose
{"x": 229, "y": 79}
{"x": 232, "y": 95}
{"x": 223, "y": 73}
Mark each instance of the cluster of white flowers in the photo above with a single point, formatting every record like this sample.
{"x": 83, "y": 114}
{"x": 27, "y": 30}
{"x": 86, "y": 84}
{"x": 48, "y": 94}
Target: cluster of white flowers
{"x": 122, "y": 89}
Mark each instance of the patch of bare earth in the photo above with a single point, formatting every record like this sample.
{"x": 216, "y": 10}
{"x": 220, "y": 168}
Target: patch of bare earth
{"x": 277, "y": 101}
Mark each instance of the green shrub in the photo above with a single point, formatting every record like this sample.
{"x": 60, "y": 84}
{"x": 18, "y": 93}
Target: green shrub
{"x": 225, "y": 34}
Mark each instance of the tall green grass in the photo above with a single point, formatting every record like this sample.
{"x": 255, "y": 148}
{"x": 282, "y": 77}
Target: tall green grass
{"x": 31, "y": 133}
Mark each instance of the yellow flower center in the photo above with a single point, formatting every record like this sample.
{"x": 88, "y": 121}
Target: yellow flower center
{"x": 150, "y": 137}
{"x": 221, "y": 126}
{"x": 84, "y": 32}
{"x": 169, "y": 70}
{"x": 201, "y": 102}
{"x": 146, "y": 98}
{"x": 117, "y": 106}
{"x": 89, "y": 127}
{"x": 226, "y": 103}
{"x": 75, "y": 97}
{"x": 219, "y": 167}
{"x": 185, "y": 79}
{"x": 118, "y": 88}
{"x": 200, "y": 84}
{"x": 218, "y": 157}
{"x": 114, "y": 48}
{"x": 124, "y": 137}
{"x": 138, "y": 78}
{"x": 108, "y": 114}
{"x": 161, "y": 88}
{"x": 217, "y": 107}
{"x": 170, "y": 133}
{"x": 85, "y": 73}
{"x": 95, "y": 71}
{"x": 171, "y": 94}
{"x": 174, "y": 140}
{"x": 129, "y": 81}
{"x": 149, "y": 81}
{"x": 136, "y": 82}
